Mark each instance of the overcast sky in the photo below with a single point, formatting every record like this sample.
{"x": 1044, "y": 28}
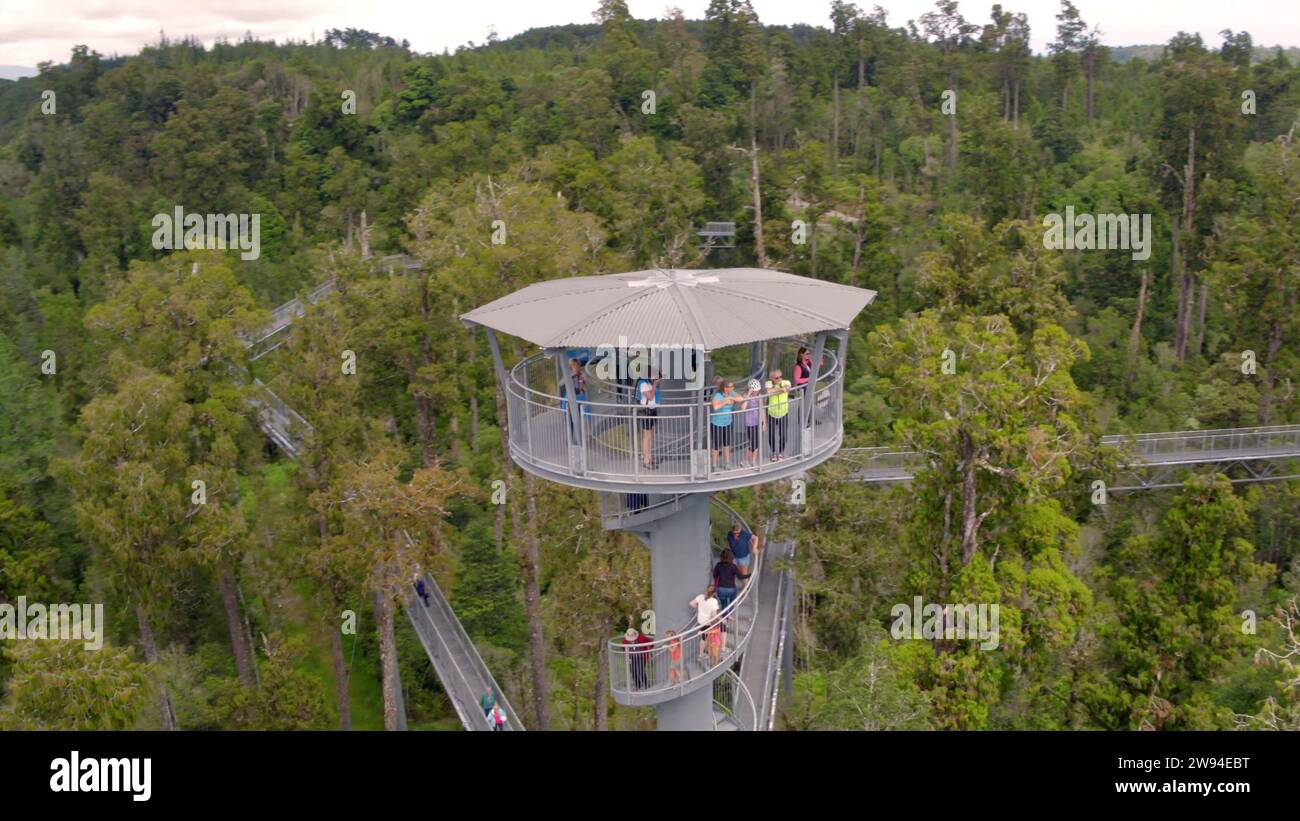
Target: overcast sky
{"x": 35, "y": 30}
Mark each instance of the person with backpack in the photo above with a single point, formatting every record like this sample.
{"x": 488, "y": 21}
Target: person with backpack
{"x": 498, "y": 718}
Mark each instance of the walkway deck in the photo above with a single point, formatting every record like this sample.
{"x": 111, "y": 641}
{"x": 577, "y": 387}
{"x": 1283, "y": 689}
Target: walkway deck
{"x": 1138, "y": 452}
{"x": 460, "y": 668}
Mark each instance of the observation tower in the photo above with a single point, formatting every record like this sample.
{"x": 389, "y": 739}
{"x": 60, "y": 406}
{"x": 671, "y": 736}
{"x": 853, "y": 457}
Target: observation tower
{"x": 657, "y": 465}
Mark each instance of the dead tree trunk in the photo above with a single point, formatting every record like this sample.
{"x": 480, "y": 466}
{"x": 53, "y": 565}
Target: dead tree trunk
{"x": 1135, "y": 338}
{"x": 601, "y": 695}
{"x": 340, "y": 678}
{"x": 526, "y": 547}
{"x": 151, "y": 656}
{"x": 235, "y": 624}
{"x": 835, "y": 121}
{"x": 1200, "y": 319}
{"x": 387, "y": 657}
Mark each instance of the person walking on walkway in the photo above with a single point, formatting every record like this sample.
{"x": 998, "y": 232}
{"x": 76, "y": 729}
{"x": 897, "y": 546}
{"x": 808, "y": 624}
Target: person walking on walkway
{"x": 726, "y": 577}
{"x": 421, "y": 590}
{"x": 498, "y": 718}
{"x": 706, "y": 612}
{"x": 674, "y": 657}
{"x": 487, "y": 701}
{"x": 743, "y": 545}
{"x": 636, "y": 652}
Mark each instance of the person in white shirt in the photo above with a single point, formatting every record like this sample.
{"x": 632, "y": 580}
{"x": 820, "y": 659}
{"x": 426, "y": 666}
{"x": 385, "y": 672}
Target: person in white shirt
{"x": 706, "y": 614}
{"x": 647, "y": 391}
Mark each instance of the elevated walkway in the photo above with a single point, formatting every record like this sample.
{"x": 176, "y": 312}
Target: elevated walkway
{"x": 1149, "y": 460}
{"x": 760, "y": 666}
{"x": 460, "y": 668}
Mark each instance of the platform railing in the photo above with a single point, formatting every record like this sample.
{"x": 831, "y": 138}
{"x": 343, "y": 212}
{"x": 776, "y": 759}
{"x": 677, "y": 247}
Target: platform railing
{"x": 617, "y": 507}
{"x": 732, "y": 698}
{"x": 656, "y": 670}
{"x": 1197, "y": 445}
{"x": 282, "y": 423}
{"x": 688, "y": 440}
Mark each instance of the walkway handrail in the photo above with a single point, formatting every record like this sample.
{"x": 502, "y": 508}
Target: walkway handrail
{"x": 440, "y": 601}
{"x": 1203, "y": 433}
{"x": 614, "y": 507}
{"x": 1284, "y": 439}
{"x": 731, "y": 696}
{"x": 647, "y": 669}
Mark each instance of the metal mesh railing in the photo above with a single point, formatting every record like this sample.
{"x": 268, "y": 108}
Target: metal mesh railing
{"x": 670, "y": 664}
{"x": 732, "y": 698}
{"x": 1209, "y": 445}
{"x": 283, "y": 424}
{"x": 681, "y": 441}
{"x": 884, "y": 464}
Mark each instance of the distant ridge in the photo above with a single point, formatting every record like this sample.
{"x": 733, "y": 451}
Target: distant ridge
{"x": 16, "y": 72}
{"x": 1260, "y": 54}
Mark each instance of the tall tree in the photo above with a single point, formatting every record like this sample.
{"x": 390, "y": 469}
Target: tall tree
{"x": 1071, "y": 32}
{"x": 949, "y": 30}
{"x": 1196, "y": 134}
{"x": 373, "y": 514}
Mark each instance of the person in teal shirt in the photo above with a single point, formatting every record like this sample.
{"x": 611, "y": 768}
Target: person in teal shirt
{"x": 487, "y": 701}
{"x": 720, "y": 422}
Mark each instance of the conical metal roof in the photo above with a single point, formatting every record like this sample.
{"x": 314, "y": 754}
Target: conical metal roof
{"x": 710, "y": 309}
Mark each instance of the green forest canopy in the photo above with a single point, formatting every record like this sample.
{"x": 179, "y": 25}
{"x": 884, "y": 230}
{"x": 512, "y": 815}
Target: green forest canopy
{"x": 1126, "y": 615}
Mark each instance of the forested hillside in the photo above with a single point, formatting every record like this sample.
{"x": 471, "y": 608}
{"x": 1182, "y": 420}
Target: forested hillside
{"x": 840, "y": 154}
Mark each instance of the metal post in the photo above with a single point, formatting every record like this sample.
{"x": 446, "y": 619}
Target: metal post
{"x": 577, "y": 446}
{"x": 397, "y": 667}
{"x": 809, "y": 401}
{"x": 499, "y": 365}
{"x": 679, "y": 560}
{"x": 788, "y": 656}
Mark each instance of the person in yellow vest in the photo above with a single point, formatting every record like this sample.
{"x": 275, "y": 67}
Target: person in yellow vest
{"x": 778, "y": 410}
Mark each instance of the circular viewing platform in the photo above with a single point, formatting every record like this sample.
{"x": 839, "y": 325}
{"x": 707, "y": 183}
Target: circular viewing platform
{"x": 601, "y": 443}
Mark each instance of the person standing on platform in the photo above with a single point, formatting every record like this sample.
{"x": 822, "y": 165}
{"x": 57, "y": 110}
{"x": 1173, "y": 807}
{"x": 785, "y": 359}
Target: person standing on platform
{"x": 778, "y": 410}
